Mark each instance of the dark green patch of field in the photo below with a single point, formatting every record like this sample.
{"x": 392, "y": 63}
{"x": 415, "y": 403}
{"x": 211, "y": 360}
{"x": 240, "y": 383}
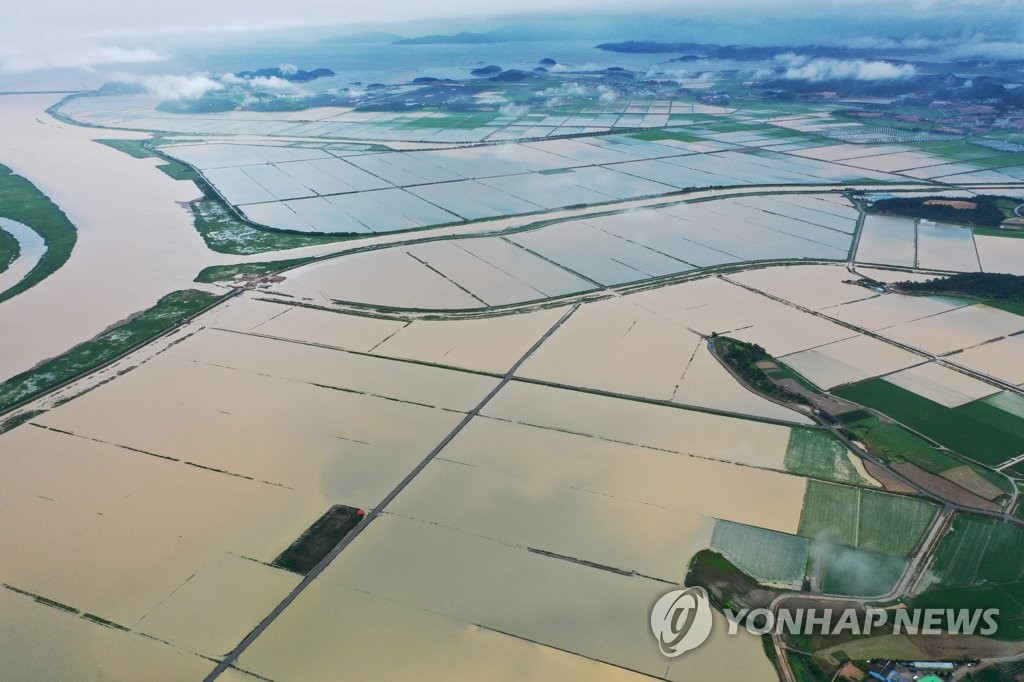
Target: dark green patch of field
{"x": 996, "y": 232}
{"x": 977, "y": 430}
{"x": 727, "y": 586}
{"x": 1007, "y": 598}
{"x": 857, "y": 572}
{"x": 819, "y": 454}
{"x": 223, "y": 273}
{"x": 980, "y": 550}
{"x": 169, "y": 311}
{"x": 319, "y": 539}
{"x": 22, "y": 202}
{"x": 805, "y": 668}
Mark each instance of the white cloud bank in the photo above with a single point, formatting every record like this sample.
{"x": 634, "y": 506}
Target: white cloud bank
{"x": 816, "y": 69}
{"x": 22, "y": 57}
{"x": 176, "y": 87}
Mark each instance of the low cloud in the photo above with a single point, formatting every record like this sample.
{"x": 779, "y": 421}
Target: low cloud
{"x": 23, "y": 58}
{"x": 516, "y": 110}
{"x": 288, "y": 69}
{"x": 177, "y": 87}
{"x": 797, "y": 67}
{"x": 272, "y": 83}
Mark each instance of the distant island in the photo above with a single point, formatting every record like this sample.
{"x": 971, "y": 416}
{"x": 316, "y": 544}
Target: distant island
{"x": 694, "y": 51}
{"x": 463, "y": 38}
{"x": 294, "y": 76}
{"x": 364, "y": 37}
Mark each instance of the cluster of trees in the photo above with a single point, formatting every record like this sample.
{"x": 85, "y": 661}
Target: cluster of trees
{"x": 984, "y": 285}
{"x": 987, "y": 212}
{"x": 743, "y": 357}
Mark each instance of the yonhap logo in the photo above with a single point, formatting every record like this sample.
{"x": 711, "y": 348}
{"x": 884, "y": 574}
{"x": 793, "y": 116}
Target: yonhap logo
{"x": 681, "y": 620}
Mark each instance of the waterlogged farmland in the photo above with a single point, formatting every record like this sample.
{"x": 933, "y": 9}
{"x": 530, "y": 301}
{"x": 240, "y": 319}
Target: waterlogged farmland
{"x": 481, "y": 402}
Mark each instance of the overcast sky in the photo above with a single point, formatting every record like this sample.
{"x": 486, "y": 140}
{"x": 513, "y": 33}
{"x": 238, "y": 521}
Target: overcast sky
{"x": 76, "y": 34}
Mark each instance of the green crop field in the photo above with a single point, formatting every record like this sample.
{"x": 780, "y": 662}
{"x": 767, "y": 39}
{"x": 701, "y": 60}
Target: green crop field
{"x": 22, "y": 202}
{"x": 830, "y": 513}
{"x": 765, "y": 555}
{"x": 871, "y": 520}
{"x": 1008, "y": 598}
{"x": 819, "y": 454}
{"x": 978, "y": 429}
{"x": 892, "y": 524}
{"x": 857, "y": 572}
{"x": 980, "y": 550}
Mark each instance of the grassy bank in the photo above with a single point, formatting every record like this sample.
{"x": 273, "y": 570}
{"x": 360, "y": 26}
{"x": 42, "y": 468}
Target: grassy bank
{"x": 22, "y": 202}
{"x": 223, "y": 273}
{"x": 9, "y": 249}
{"x": 85, "y": 357}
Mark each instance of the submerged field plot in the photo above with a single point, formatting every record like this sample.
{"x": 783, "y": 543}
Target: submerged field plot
{"x": 574, "y": 256}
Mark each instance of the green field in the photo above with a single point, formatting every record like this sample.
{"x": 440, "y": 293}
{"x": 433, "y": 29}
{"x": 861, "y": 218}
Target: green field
{"x": 996, "y": 232}
{"x": 869, "y": 520}
{"x": 765, "y": 555}
{"x": 898, "y": 445}
{"x": 857, "y": 572}
{"x": 819, "y": 454}
{"x": 22, "y": 202}
{"x": 977, "y": 430}
{"x": 85, "y": 357}
{"x": 319, "y": 539}
{"x": 980, "y": 550}
{"x": 830, "y": 513}
{"x": 892, "y": 524}
{"x": 1008, "y": 598}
